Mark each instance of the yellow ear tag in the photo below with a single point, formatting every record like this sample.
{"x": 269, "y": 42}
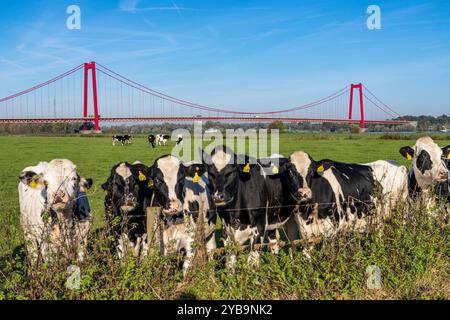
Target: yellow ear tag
{"x": 408, "y": 156}
{"x": 448, "y": 156}
{"x": 142, "y": 176}
{"x": 150, "y": 183}
{"x": 246, "y": 168}
{"x": 196, "y": 178}
{"x": 320, "y": 169}
{"x": 274, "y": 169}
{"x": 33, "y": 184}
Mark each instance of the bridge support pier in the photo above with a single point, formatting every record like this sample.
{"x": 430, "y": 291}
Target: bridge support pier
{"x": 87, "y": 67}
{"x": 361, "y": 103}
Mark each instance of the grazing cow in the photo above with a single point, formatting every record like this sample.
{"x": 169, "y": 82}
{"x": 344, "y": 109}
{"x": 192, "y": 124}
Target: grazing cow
{"x": 188, "y": 212}
{"x": 429, "y": 173}
{"x": 151, "y": 139}
{"x": 179, "y": 139}
{"x": 128, "y": 195}
{"x": 248, "y": 200}
{"x": 125, "y": 139}
{"x": 334, "y": 196}
{"x": 54, "y": 210}
{"x": 162, "y": 139}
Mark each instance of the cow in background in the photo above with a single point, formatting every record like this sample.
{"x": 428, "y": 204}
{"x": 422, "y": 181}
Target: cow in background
{"x": 54, "y": 210}
{"x": 128, "y": 194}
{"x": 151, "y": 139}
{"x": 162, "y": 139}
{"x": 125, "y": 139}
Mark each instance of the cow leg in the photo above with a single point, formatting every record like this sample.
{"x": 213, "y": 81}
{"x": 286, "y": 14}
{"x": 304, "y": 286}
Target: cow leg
{"x": 291, "y": 228}
{"x": 82, "y": 230}
{"x": 137, "y": 247}
{"x": 188, "y": 258}
{"x": 273, "y": 237}
{"x": 230, "y": 262}
{"x": 253, "y": 257}
{"x": 211, "y": 246}
{"x": 144, "y": 250}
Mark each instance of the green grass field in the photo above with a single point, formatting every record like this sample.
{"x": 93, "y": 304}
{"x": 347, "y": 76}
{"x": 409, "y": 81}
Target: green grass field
{"x": 94, "y": 157}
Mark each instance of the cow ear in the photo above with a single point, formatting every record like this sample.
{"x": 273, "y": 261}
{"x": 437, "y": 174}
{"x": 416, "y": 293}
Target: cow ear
{"x": 323, "y": 165}
{"x": 105, "y": 185}
{"x": 195, "y": 169}
{"x": 140, "y": 172}
{"x": 407, "y": 152}
{"x": 87, "y": 182}
{"x": 245, "y": 164}
{"x": 31, "y": 179}
{"x": 206, "y": 158}
{"x": 446, "y": 152}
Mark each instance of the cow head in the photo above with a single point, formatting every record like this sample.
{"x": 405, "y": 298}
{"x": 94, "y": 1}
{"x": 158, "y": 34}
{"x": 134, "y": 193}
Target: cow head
{"x": 125, "y": 184}
{"x": 60, "y": 182}
{"x": 225, "y": 168}
{"x": 168, "y": 180}
{"x": 428, "y": 161}
{"x": 195, "y": 186}
{"x": 298, "y": 171}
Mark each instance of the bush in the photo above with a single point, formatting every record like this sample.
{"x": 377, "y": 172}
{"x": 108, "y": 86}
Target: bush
{"x": 411, "y": 254}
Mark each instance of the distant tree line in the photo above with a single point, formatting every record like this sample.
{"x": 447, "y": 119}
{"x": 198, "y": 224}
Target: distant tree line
{"x": 424, "y": 123}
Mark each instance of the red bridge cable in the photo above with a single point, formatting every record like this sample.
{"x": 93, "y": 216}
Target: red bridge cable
{"x": 65, "y": 74}
{"x": 373, "y": 95}
{"x": 385, "y": 111}
{"x": 198, "y": 106}
{"x": 329, "y": 98}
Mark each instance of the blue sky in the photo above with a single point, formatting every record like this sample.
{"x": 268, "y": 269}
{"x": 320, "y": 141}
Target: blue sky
{"x": 241, "y": 54}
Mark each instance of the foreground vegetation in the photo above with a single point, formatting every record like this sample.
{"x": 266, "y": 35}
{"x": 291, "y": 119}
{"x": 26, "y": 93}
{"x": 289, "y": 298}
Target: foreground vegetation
{"x": 412, "y": 254}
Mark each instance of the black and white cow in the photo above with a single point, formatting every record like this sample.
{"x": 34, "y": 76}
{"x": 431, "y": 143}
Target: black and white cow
{"x": 128, "y": 194}
{"x": 187, "y": 208}
{"x": 125, "y": 139}
{"x": 429, "y": 174}
{"x": 54, "y": 210}
{"x": 248, "y": 197}
{"x": 334, "y": 196}
{"x": 162, "y": 139}
{"x": 151, "y": 139}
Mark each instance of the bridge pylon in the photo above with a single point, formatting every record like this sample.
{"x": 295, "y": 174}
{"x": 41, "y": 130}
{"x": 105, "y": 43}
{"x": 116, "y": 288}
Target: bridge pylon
{"x": 90, "y": 66}
{"x": 358, "y": 86}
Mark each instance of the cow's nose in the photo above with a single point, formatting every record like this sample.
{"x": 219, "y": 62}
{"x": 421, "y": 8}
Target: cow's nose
{"x": 305, "y": 192}
{"x": 219, "y": 196}
{"x": 60, "y": 197}
{"x": 174, "y": 204}
{"x": 443, "y": 174}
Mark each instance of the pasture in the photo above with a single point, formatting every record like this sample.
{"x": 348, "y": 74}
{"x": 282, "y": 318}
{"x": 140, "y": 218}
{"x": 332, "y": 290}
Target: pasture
{"x": 413, "y": 257}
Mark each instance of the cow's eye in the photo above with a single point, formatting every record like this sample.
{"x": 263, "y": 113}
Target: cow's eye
{"x": 228, "y": 174}
{"x": 74, "y": 179}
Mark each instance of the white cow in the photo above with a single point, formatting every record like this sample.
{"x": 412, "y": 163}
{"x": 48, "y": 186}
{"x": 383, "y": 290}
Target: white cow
{"x": 54, "y": 209}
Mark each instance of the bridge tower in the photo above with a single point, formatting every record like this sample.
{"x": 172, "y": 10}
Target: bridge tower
{"x": 361, "y": 103}
{"x": 90, "y": 66}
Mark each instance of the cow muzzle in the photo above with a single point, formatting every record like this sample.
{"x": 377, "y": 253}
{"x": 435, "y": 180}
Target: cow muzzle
{"x": 303, "y": 195}
{"x": 173, "y": 207}
{"x": 443, "y": 176}
{"x": 220, "y": 199}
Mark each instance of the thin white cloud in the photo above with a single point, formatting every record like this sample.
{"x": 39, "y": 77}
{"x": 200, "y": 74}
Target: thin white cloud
{"x": 132, "y": 6}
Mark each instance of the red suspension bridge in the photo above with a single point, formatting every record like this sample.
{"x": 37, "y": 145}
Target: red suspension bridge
{"x": 115, "y": 98}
